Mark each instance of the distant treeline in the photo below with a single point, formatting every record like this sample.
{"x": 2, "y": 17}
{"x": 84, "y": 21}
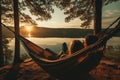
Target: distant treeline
{"x": 53, "y": 32}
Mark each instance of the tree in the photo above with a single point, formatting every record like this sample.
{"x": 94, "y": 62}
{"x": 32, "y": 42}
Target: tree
{"x": 38, "y": 8}
{"x": 82, "y": 9}
{"x": 41, "y": 9}
{"x": 97, "y": 16}
{"x": 1, "y": 46}
{"x": 17, "y": 32}
{"x": 7, "y": 52}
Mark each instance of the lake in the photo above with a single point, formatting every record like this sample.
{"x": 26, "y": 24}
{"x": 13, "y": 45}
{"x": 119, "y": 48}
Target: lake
{"x": 55, "y": 44}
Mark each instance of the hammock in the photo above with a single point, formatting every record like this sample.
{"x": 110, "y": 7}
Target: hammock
{"x": 80, "y": 62}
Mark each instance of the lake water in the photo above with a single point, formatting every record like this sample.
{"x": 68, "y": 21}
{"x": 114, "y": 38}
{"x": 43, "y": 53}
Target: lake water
{"x": 51, "y": 43}
{"x": 55, "y": 44}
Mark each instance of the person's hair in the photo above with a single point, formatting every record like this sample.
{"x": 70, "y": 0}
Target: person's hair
{"x": 75, "y": 45}
{"x": 90, "y": 39}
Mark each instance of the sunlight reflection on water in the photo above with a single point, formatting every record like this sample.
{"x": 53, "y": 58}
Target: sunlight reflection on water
{"x": 29, "y": 35}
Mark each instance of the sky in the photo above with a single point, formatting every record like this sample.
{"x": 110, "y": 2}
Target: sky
{"x": 109, "y": 14}
{"x": 58, "y": 21}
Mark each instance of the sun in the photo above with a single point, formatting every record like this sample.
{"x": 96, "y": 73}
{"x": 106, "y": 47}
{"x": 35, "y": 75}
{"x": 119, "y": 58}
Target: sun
{"x": 28, "y": 29}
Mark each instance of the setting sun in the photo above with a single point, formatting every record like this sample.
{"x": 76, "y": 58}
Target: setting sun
{"x": 28, "y": 29}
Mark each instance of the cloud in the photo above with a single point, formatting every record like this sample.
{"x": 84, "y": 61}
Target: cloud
{"x": 111, "y": 13}
{"x": 109, "y": 16}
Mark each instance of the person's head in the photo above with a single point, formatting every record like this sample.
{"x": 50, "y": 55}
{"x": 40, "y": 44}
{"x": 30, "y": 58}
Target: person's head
{"x": 90, "y": 39}
{"x": 75, "y": 45}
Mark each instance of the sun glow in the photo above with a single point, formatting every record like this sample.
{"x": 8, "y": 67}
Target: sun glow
{"x": 28, "y": 29}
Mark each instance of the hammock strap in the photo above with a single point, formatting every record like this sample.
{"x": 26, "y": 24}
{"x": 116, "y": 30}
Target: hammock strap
{"x": 17, "y": 36}
{"x": 8, "y": 28}
{"x": 105, "y": 30}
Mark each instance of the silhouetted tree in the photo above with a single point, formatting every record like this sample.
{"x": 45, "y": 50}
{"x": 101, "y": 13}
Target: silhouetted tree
{"x": 84, "y": 10}
{"x": 97, "y": 16}
{"x": 7, "y": 52}
{"x": 7, "y": 14}
{"x": 38, "y": 8}
{"x": 17, "y": 31}
{"x": 41, "y": 9}
{"x": 1, "y": 46}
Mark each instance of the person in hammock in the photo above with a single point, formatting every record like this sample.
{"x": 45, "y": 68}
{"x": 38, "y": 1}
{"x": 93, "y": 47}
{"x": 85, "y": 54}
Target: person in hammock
{"x": 64, "y": 50}
{"x": 75, "y": 45}
{"x": 90, "y": 39}
{"x": 96, "y": 54}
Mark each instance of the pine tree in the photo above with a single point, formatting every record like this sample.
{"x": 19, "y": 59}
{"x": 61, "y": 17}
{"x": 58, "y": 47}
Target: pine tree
{"x": 1, "y": 46}
{"x": 17, "y": 32}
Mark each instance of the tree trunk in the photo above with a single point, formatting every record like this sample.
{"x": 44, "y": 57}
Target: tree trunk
{"x": 1, "y": 46}
{"x": 16, "y": 25}
{"x": 97, "y": 16}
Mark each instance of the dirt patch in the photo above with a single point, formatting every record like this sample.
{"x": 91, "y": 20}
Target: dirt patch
{"x": 29, "y": 70}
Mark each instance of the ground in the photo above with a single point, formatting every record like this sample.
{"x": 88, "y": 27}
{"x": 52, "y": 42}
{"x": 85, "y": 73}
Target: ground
{"x": 29, "y": 70}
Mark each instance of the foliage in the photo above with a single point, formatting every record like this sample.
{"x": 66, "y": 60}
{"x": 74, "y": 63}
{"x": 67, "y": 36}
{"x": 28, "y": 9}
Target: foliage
{"x": 82, "y": 9}
{"x": 40, "y": 8}
{"x": 7, "y": 13}
{"x": 7, "y": 52}
{"x": 10, "y": 14}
